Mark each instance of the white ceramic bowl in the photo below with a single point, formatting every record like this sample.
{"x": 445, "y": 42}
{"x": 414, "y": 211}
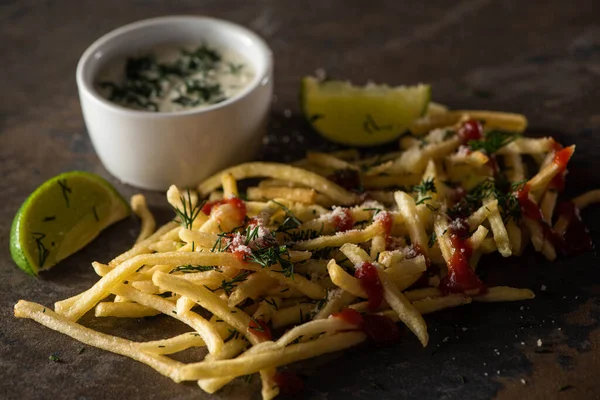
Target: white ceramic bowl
{"x": 154, "y": 150}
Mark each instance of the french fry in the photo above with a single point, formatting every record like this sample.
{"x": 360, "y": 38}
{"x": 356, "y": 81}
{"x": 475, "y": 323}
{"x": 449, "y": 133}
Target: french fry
{"x": 504, "y": 293}
{"x": 59, "y": 323}
{"x": 271, "y": 358}
{"x": 281, "y": 171}
{"x": 345, "y": 281}
{"x": 123, "y": 310}
{"x": 140, "y": 208}
{"x": 405, "y": 310}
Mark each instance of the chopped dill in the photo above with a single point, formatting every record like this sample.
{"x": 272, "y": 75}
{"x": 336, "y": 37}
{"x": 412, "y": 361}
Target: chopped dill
{"x": 493, "y": 141}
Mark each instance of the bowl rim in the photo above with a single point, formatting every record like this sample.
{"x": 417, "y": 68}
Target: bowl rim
{"x": 86, "y": 85}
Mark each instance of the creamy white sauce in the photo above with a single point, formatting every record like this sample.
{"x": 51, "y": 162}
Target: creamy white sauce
{"x": 175, "y": 78}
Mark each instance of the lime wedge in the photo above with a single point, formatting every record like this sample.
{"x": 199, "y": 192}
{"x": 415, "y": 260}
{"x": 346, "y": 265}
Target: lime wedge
{"x": 362, "y": 116}
{"x": 60, "y": 217}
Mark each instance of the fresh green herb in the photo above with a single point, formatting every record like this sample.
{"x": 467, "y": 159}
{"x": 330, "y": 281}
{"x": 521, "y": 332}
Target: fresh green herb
{"x": 247, "y": 378}
{"x": 192, "y": 268}
{"x": 498, "y": 188}
{"x": 229, "y": 285}
{"x": 233, "y": 334}
{"x": 272, "y": 255}
{"x": 432, "y": 239}
{"x": 423, "y": 200}
{"x": 81, "y": 350}
{"x": 493, "y": 141}
{"x": 95, "y": 214}
{"x": 49, "y": 218}
{"x": 257, "y": 326}
{"x": 272, "y": 303}
{"x": 145, "y": 79}
{"x": 425, "y": 187}
{"x": 189, "y": 213}
{"x": 432, "y": 208}
{"x": 290, "y": 221}
{"x": 54, "y": 358}
{"x": 235, "y": 69}
{"x": 374, "y": 209}
{"x": 165, "y": 295}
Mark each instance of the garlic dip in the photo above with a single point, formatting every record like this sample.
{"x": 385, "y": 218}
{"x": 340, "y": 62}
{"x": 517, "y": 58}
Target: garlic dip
{"x": 175, "y": 78}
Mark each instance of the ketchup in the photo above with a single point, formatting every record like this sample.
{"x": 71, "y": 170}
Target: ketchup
{"x": 470, "y": 130}
{"x": 528, "y": 208}
{"x": 461, "y": 278}
{"x": 289, "y": 383}
{"x": 260, "y": 329}
{"x": 367, "y": 274}
{"x": 380, "y": 329}
{"x": 561, "y": 158}
{"x": 342, "y": 219}
{"x": 238, "y": 205}
{"x": 240, "y": 255}
{"x": 386, "y": 221}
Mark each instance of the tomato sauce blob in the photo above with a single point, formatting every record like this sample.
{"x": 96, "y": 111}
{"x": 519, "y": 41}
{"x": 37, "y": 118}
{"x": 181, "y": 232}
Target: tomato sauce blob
{"x": 380, "y": 329}
{"x": 342, "y": 220}
{"x": 470, "y": 130}
{"x": 461, "y": 278}
{"x": 368, "y": 276}
{"x": 260, "y": 329}
{"x": 238, "y": 205}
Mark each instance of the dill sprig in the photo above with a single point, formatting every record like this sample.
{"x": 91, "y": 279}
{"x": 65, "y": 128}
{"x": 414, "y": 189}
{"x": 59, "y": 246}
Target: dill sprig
{"x": 432, "y": 240}
{"x": 229, "y": 285}
{"x": 426, "y": 186}
{"x": 493, "y": 141}
{"x": 233, "y": 334}
{"x": 272, "y": 255}
{"x": 500, "y": 189}
{"x": 192, "y": 268}
{"x": 290, "y": 221}
{"x": 189, "y": 213}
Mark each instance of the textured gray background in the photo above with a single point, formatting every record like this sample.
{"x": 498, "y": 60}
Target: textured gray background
{"x": 538, "y": 58}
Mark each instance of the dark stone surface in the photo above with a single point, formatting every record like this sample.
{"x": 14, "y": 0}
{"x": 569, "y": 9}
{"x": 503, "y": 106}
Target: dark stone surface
{"x": 538, "y": 58}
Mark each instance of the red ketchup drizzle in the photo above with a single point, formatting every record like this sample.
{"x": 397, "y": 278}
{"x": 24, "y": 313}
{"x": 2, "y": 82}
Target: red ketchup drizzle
{"x": 561, "y": 158}
{"x": 240, "y": 255}
{"x": 289, "y": 383}
{"x": 235, "y": 202}
{"x": 386, "y": 221}
{"x": 367, "y": 274}
{"x": 461, "y": 278}
{"x": 576, "y": 239}
{"x": 528, "y": 208}
{"x": 260, "y": 329}
{"x": 380, "y": 329}
{"x": 343, "y": 220}
{"x": 470, "y": 130}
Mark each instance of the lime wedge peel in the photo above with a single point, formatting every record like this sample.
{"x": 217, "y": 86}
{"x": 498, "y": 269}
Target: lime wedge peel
{"x": 362, "y": 116}
{"x": 60, "y": 217}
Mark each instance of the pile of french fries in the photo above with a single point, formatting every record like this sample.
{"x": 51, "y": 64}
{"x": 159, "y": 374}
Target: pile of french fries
{"x": 297, "y": 266}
